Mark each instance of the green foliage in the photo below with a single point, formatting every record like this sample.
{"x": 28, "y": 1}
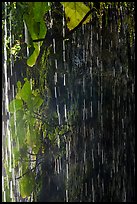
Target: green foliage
{"x": 15, "y": 105}
{"x": 26, "y": 92}
{"x": 25, "y": 134}
{"x": 27, "y": 184}
{"x": 7, "y": 192}
{"x": 16, "y": 153}
{"x": 34, "y": 18}
{"x": 15, "y": 49}
{"x": 22, "y": 109}
{"x": 39, "y": 9}
{"x": 32, "y": 59}
{"x": 34, "y": 103}
{"x": 75, "y": 12}
{"x": 24, "y": 128}
{"x": 26, "y": 97}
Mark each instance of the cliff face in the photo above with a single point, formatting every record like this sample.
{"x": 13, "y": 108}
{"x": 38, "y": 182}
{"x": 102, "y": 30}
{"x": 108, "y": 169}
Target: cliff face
{"x": 98, "y": 94}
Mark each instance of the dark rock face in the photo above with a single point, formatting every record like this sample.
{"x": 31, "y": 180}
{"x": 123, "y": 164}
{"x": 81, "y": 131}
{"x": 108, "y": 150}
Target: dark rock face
{"x": 101, "y": 157}
{"x": 52, "y": 189}
{"x": 52, "y": 183}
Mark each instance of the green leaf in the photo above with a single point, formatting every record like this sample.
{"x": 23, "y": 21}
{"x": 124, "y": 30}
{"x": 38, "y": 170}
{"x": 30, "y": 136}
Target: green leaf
{"x": 21, "y": 132}
{"x": 8, "y": 199}
{"x": 32, "y": 59}
{"x": 31, "y": 136}
{"x": 36, "y": 146}
{"x": 31, "y": 25}
{"x": 16, "y": 154}
{"x": 36, "y": 92}
{"x": 19, "y": 85}
{"x": 20, "y": 125}
{"x": 15, "y": 118}
{"x": 34, "y": 103}
{"x": 43, "y": 30}
{"x": 23, "y": 151}
{"x": 75, "y": 12}
{"x": 27, "y": 183}
{"x": 37, "y": 102}
{"x": 25, "y": 166}
{"x": 15, "y": 105}
{"x": 26, "y": 91}
{"x": 36, "y": 27}
{"x": 19, "y": 116}
{"x": 29, "y": 117}
{"x": 39, "y": 9}
{"x": 51, "y": 136}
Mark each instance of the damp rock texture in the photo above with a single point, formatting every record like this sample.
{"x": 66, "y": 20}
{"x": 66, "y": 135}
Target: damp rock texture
{"x": 97, "y": 64}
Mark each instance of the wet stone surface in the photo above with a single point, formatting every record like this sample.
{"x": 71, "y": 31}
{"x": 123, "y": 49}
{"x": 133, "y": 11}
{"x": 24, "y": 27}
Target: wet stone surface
{"x": 91, "y": 90}
{"x": 100, "y": 157}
